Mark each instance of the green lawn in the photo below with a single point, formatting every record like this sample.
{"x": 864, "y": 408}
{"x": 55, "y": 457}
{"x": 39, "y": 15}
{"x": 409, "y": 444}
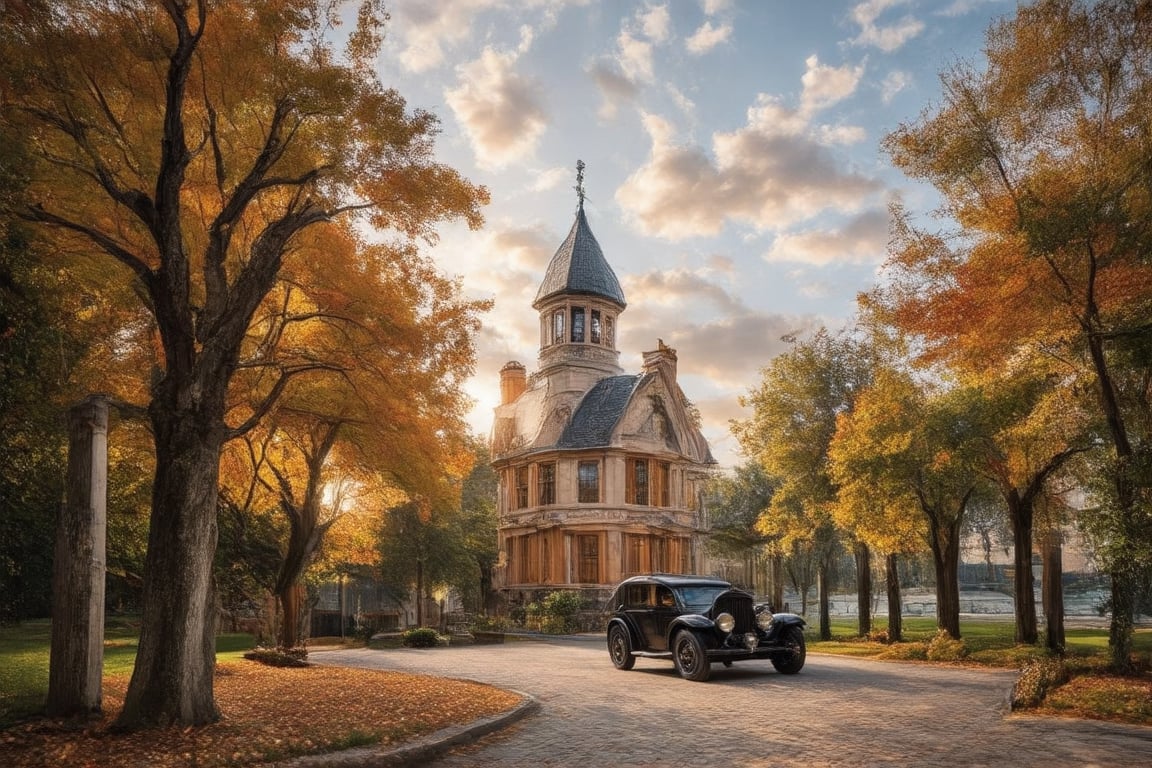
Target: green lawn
{"x": 24, "y": 653}
{"x": 986, "y": 641}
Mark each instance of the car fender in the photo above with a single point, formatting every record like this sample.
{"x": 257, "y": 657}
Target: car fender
{"x": 780, "y": 621}
{"x": 691, "y": 621}
{"x": 637, "y": 641}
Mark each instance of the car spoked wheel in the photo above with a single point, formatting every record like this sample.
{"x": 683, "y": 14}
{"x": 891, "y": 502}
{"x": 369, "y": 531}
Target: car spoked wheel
{"x": 620, "y": 648}
{"x": 792, "y": 661}
{"x": 691, "y": 661}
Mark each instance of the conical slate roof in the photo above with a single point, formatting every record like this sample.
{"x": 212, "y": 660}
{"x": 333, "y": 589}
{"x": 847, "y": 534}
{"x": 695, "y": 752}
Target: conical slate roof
{"x": 579, "y": 267}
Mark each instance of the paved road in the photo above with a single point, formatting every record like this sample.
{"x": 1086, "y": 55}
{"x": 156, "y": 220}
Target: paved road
{"x": 836, "y": 712}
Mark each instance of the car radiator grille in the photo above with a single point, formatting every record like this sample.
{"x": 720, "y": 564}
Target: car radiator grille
{"x": 740, "y": 606}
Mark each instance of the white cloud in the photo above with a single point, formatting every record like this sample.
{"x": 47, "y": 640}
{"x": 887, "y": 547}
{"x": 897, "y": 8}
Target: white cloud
{"x": 863, "y": 240}
{"x": 656, "y": 23}
{"x": 769, "y": 174}
{"x": 686, "y": 105}
{"x": 887, "y": 38}
{"x": 550, "y": 178}
{"x": 634, "y": 57}
{"x": 840, "y": 134}
{"x": 707, "y": 37}
{"x": 825, "y": 85}
{"x": 615, "y": 89}
{"x": 895, "y": 81}
{"x": 713, "y": 7}
{"x": 500, "y": 111}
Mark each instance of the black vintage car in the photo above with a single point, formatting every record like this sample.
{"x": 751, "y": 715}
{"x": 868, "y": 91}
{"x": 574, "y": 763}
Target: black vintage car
{"x": 696, "y": 620}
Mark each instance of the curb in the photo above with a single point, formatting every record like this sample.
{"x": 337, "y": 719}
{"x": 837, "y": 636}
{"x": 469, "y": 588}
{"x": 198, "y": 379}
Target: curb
{"x": 420, "y": 750}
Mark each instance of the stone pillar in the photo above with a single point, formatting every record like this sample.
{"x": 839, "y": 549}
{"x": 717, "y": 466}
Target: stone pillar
{"x": 77, "y": 661}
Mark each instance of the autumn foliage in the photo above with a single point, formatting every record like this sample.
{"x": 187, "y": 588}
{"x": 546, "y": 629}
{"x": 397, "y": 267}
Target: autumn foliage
{"x": 211, "y": 171}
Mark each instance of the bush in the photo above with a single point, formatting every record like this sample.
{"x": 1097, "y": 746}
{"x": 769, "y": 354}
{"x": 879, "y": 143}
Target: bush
{"x": 560, "y": 612}
{"x": 279, "y": 657}
{"x": 905, "y": 652}
{"x": 490, "y": 624}
{"x": 879, "y": 636}
{"x": 944, "y": 647}
{"x": 421, "y": 637}
{"x": 1036, "y": 680}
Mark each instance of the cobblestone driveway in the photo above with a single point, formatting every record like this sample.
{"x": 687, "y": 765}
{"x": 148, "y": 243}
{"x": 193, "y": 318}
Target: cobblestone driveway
{"x": 836, "y": 712}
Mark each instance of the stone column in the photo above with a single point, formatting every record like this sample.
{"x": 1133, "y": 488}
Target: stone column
{"x": 77, "y": 660}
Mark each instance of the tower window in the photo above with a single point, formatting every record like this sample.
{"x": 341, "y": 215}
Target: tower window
{"x": 578, "y": 324}
{"x": 558, "y": 326}
{"x": 609, "y": 340}
{"x": 596, "y": 328}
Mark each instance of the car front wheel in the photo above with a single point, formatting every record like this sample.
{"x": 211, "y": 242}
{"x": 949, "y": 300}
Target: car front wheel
{"x": 620, "y": 648}
{"x": 792, "y": 661}
{"x": 691, "y": 661}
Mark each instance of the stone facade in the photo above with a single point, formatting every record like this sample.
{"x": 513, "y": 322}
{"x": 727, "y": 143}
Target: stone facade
{"x": 601, "y": 473}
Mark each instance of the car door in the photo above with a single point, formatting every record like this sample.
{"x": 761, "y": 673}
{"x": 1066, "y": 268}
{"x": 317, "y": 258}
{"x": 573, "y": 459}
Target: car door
{"x": 662, "y": 609}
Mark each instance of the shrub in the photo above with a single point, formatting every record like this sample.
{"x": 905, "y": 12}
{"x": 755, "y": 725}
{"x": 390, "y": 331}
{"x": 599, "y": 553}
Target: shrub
{"x": 944, "y": 647}
{"x": 279, "y": 657}
{"x": 560, "y": 611}
{"x": 421, "y": 637}
{"x": 905, "y": 652}
{"x": 1036, "y": 680}
{"x": 878, "y": 636}
{"x": 490, "y": 624}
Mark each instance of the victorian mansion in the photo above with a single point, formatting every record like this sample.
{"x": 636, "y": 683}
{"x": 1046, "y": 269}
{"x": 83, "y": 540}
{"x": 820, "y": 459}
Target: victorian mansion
{"x": 601, "y": 472}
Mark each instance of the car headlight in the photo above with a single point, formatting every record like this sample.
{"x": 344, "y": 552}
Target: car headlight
{"x": 726, "y": 622}
{"x": 764, "y": 619}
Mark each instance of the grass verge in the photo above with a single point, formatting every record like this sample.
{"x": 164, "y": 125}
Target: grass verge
{"x": 1083, "y": 687}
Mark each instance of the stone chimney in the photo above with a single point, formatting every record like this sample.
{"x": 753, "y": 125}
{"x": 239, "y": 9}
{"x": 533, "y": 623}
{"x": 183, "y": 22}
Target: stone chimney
{"x": 513, "y": 382}
{"x": 661, "y": 358}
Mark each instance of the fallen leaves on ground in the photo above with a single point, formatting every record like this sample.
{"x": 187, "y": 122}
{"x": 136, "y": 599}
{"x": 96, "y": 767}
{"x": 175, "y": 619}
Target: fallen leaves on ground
{"x": 268, "y": 714}
{"x": 1102, "y": 697}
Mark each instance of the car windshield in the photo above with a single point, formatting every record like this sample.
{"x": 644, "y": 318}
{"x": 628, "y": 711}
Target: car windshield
{"x": 700, "y": 599}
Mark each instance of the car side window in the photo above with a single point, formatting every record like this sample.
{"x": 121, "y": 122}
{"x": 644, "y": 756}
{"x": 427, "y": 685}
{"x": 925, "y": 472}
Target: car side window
{"x": 664, "y": 597}
{"x": 636, "y": 596}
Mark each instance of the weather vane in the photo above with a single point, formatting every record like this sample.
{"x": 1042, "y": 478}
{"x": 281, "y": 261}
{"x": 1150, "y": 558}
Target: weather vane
{"x": 580, "y": 183}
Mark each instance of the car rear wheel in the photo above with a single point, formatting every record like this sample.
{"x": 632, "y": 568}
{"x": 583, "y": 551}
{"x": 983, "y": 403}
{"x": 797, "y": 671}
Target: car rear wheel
{"x": 691, "y": 661}
{"x": 620, "y": 648}
{"x": 792, "y": 661}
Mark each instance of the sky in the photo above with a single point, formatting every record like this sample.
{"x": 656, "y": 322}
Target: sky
{"x": 734, "y": 177}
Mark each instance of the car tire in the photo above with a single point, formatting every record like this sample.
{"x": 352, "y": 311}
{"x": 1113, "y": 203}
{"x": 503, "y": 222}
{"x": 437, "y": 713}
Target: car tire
{"x": 691, "y": 660}
{"x": 620, "y": 648}
{"x": 789, "y": 663}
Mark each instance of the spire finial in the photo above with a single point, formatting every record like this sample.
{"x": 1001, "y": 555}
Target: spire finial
{"x": 580, "y": 184}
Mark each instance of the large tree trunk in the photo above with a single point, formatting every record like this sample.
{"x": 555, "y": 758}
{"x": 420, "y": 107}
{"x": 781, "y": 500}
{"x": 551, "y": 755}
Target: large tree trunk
{"x": 291, "y": 600}
{"x": 822, "y": 594}
{"x": 175, "y": 662}
{"x": 1020, "y": 515}
{"x": 1052, "y": 582}
{"x": 895, "y": 603}
{"x": 945, "y": 542}
{"x": 777, "y": 582}
{"x": 864, "y": 588}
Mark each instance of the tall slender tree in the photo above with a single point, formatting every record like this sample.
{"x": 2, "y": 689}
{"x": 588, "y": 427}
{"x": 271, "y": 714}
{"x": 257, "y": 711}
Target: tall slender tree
{"x": 1041, "y": 157}
{"x": 795, "y": 408}
{"x": 187, "y": 146}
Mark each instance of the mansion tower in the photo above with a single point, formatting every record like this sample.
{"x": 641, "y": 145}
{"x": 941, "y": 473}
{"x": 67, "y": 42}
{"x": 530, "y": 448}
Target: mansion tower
{"x": 601, "y": 472}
